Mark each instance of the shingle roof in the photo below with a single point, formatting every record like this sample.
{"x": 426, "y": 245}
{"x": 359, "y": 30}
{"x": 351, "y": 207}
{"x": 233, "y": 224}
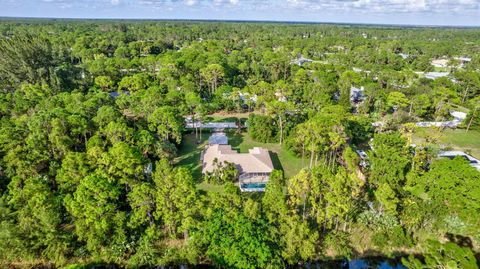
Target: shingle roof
{"x": 256, "y": 161}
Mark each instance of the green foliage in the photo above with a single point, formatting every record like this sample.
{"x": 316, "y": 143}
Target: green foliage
{"x": 359, "y": 129}
{"x": 274, "y": 199}
{"x": 104, "y": 82}
{"x": 223, "y": 172}
{"x": 239, "y": 242}
{"x": 176, "y": 198}
{"x": 29, "y": 59}
{"x": 397, "y": 100}
{"x": 391, "y": 239}
{"x": 262, "y": 128}
{"x": 438, "y": 255}
{"x": 339, "y": 243}
{"x": 449, "y": 196}
{"x": 166, "y": 124}
{"x": 99, "y": 222}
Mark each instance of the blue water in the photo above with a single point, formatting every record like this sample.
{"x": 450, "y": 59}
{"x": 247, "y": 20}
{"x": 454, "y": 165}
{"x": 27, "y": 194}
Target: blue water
{"x": 365, "y": 264}
{"x": 253, "y": 186}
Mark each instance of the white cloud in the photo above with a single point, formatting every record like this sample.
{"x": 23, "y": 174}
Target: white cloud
{"x": 383, "y": 6}
{"x": 388, "y": 6}
{"x": 314, "y": 10}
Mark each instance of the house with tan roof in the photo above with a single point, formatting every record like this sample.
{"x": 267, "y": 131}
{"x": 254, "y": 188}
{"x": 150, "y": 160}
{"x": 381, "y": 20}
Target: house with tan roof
{"x": 442, "y": 62}
{"x": 254, "y": 167}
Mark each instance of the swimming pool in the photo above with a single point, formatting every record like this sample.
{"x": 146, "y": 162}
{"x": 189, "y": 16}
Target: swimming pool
{"x": 253, "y": 186}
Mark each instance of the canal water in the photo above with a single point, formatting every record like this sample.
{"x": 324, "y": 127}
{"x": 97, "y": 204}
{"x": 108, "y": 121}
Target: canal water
{"x": 368, "y": 263}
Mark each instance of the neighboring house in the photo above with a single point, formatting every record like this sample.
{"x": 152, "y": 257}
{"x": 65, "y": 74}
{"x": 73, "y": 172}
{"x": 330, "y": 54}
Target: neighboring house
{"x": 247, "y": 97}
{"x": 280, "y": 97}
{"x": 356, "y": 94}
{"x": 115, "y": 94}
{"x": 435, "y": 75}
{"x": 458, "y": 117}
{"x": 442, "y": 63}
{"x": 463, "y": 60}
{"x": 147, "y": 170}
{"x": 301, "y": 60}
{"x": 451, "y": 124}
{"x": 209, "y": 125}
{"x": 359, "y": 70}
{"x": 364, "y": 158}
{"x": 452, "y": 154}
{"x": 254, "y": 167}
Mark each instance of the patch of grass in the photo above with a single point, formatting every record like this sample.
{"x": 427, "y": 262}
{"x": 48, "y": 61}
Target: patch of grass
{"x": 228, "y": 119}
{"x": 442, "y": 69}
{"x": 189, "y": 153}
{"x": 207, "y": 187}
{"x": 224, "y": 116}
{"x": 456, "y": 139}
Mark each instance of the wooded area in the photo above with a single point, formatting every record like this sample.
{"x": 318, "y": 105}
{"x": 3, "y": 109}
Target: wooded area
{"x": 92, "y": 121}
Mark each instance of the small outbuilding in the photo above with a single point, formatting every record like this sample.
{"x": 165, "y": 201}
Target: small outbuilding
{"x": 218, "y": 139}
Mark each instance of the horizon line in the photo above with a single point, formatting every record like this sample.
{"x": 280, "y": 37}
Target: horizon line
{"x": 397, "y": 25}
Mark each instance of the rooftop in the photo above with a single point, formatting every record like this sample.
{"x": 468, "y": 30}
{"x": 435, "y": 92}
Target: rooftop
{"x": 210, "y": 125}
{"x": 435, "y": 75}
{"x": 257, "y": 160}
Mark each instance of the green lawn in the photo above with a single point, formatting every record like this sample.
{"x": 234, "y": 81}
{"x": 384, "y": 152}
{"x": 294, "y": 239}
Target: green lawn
{"x": 442, "y": 69}
{"x": 229, "y": 116}
{"x": 456, "y": 139}
{"x": 189, "y": 155}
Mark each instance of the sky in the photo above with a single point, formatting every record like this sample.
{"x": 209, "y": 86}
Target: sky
{"x": 405, "y": 12}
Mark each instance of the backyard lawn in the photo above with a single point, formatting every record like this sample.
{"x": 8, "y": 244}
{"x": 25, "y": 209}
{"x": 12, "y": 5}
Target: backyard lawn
{"x": 189, "y": 155}
{"x": 456, "y": 139}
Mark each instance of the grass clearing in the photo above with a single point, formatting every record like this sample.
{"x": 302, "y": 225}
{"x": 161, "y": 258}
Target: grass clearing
{"x": 224, "y": 115}
{"x": 190, "y": 151}
{"x": 456, "y": 139}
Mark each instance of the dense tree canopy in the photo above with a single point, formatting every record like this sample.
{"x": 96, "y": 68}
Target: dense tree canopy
{"x": 92, "y": 120}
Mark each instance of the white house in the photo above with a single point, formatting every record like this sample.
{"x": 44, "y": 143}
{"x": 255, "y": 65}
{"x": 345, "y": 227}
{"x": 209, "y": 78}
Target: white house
{"x": 357, "y": 94}
{"x": 435, "y": 75}
{"x": 441, "y": 63}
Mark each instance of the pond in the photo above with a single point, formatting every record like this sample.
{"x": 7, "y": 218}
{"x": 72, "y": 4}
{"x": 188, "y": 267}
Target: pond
{"x": 366, "y": 263}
